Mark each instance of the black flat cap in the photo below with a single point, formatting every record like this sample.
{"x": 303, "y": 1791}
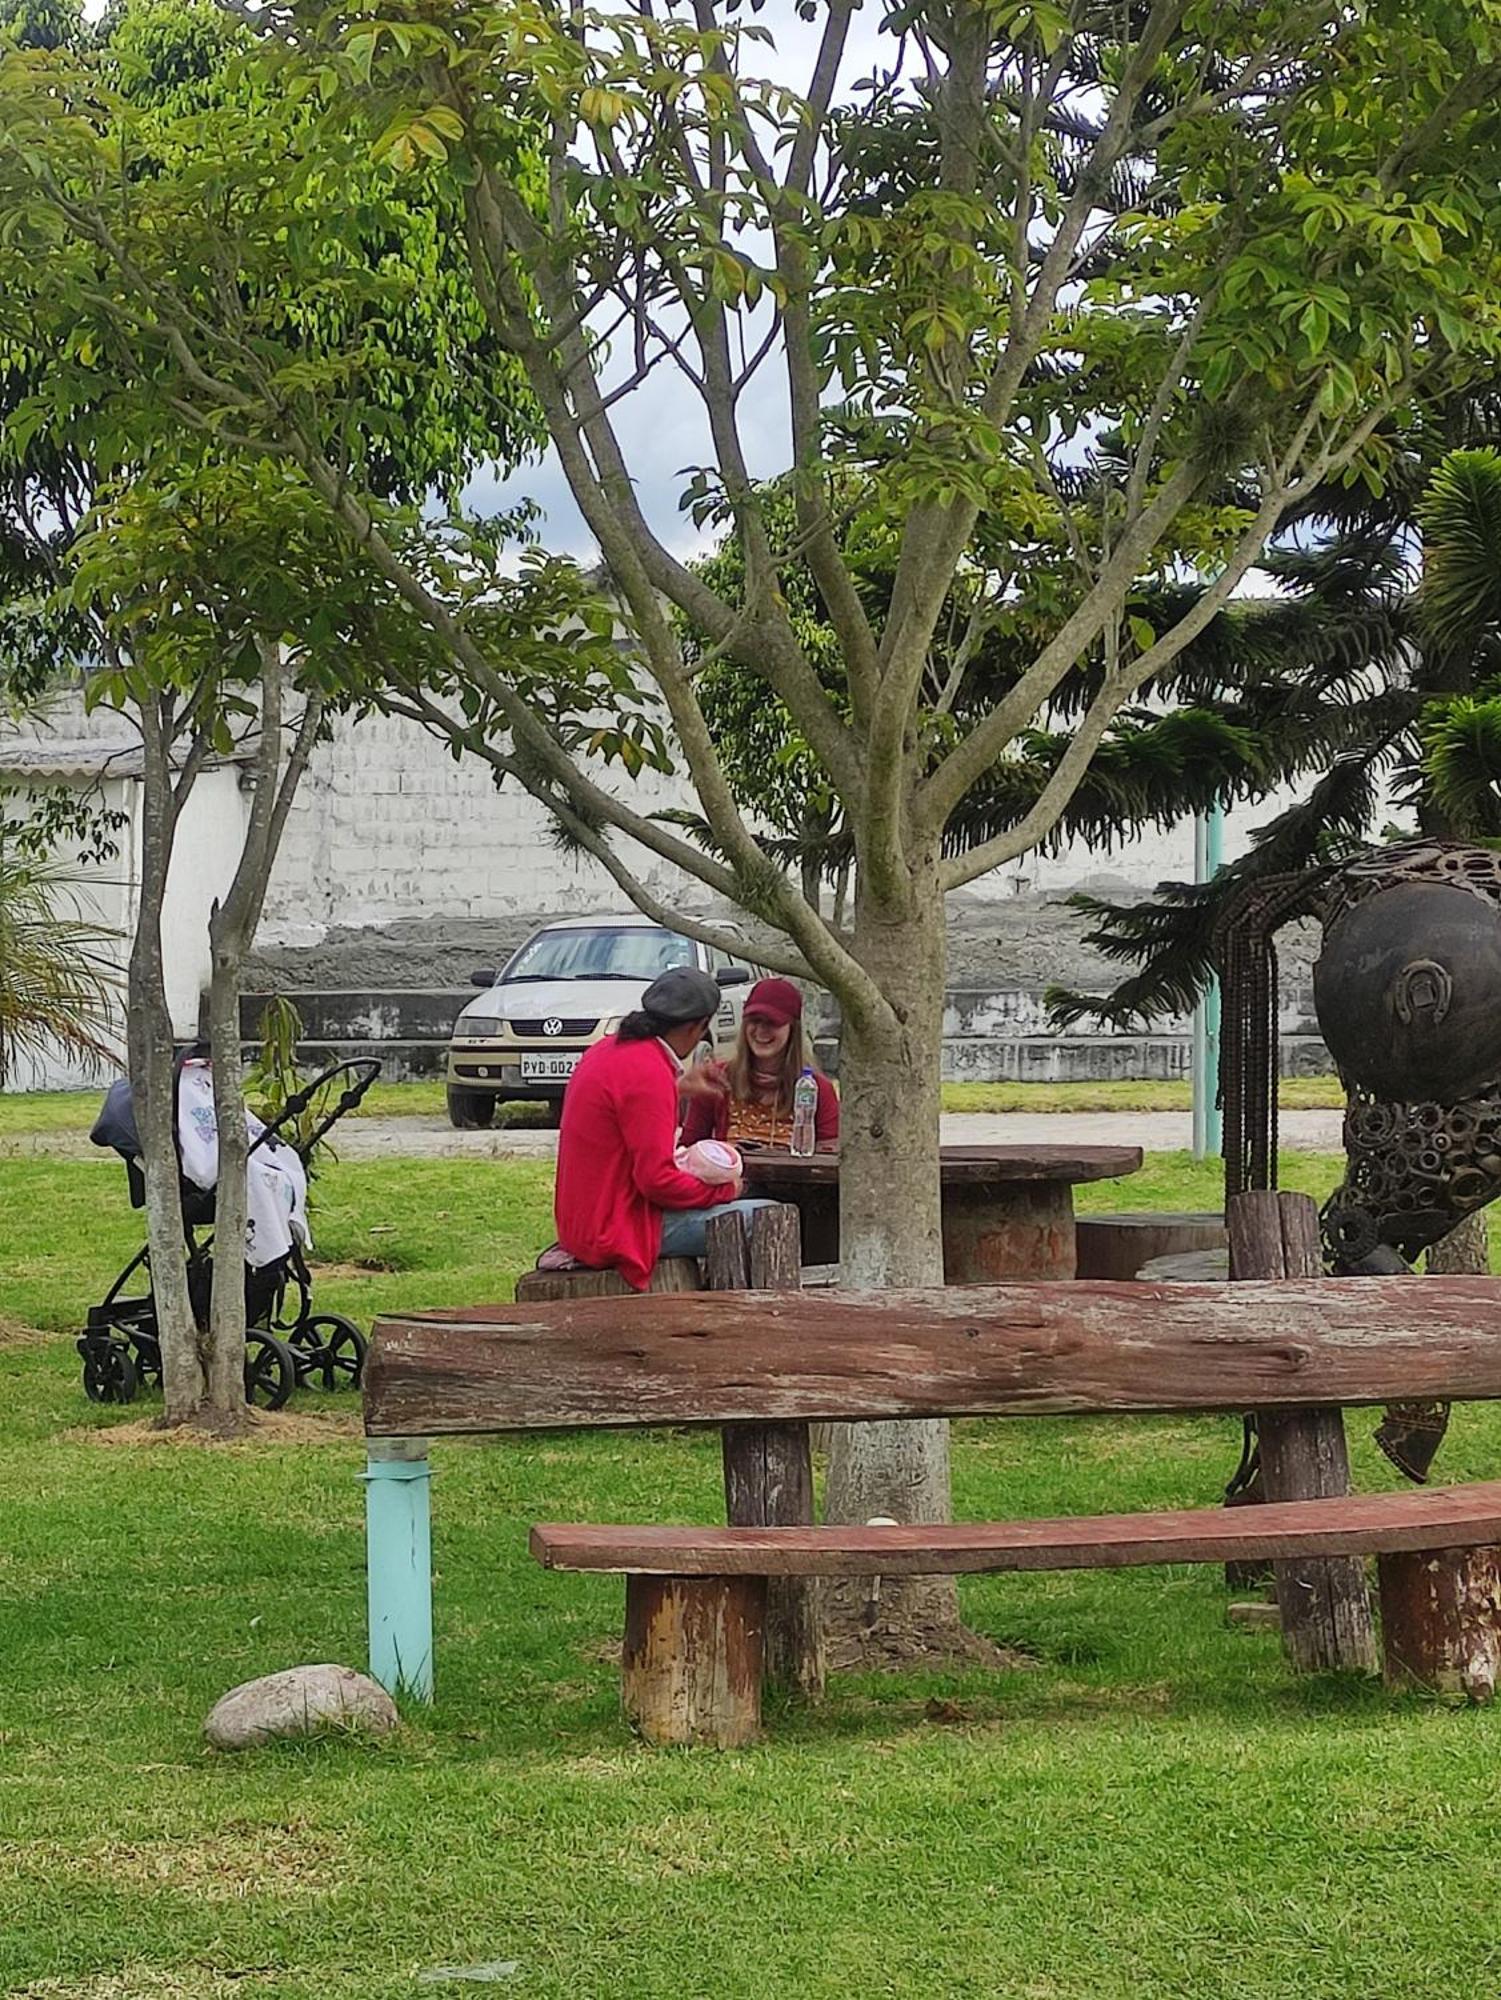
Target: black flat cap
{"x": 682, "y": 995}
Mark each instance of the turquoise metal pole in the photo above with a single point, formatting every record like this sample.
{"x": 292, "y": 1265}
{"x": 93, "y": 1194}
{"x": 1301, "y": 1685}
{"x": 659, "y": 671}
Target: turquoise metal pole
{"x": 1214, "y": 1120}
{"x": 399, "y": 1569}
{"x": 1208, "y": 1121}
{"x": 1202, "y": 1092}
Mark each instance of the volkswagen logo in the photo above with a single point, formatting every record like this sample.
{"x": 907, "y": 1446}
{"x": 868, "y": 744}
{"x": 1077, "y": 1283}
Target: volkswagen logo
{"x": 553, "y": 1027}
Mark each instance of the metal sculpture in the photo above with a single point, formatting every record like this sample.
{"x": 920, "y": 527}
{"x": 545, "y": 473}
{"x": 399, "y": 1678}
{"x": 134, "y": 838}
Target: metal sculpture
{"x": 1407, "y": 990}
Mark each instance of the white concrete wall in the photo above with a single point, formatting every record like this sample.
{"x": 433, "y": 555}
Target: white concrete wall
{"x": 388, "y": 826}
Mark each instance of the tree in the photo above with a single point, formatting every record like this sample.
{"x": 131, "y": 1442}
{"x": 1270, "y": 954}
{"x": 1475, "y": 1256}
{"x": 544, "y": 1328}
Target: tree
{"x": 210, "y": 592}
{"x": 220, "y": 610}
{"x": 1376, "y": 669}
{"x": 1239, "y": 237}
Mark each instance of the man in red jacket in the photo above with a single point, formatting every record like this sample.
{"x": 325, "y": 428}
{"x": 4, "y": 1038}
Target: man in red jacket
{"x": 621, "y": 1201}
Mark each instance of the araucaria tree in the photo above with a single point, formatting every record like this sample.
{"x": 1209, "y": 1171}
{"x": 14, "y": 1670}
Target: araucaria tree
{"x": 1209, "y": 244}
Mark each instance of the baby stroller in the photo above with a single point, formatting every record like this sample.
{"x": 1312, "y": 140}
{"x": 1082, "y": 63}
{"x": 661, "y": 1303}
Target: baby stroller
{"x": 287, "y": 1343}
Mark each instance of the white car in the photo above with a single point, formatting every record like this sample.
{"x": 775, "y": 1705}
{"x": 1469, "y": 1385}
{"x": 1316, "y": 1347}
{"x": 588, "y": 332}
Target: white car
{"x": 569, "y": 985}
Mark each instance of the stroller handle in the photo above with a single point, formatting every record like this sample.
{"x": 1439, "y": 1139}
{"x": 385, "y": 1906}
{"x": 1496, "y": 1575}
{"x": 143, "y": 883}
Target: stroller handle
{"x": 363, "y": 1071}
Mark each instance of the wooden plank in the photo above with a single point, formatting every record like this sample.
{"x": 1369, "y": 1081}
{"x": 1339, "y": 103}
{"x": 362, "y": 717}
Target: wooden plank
{"x": 1325, "y": 1605}
{"x": 1382, "y": 1523}
{"x": 998, "y": 1350}
{"x": 768, "y": 1468}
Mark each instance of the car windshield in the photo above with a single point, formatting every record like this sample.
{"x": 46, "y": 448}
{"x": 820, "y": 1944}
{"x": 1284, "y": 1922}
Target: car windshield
{"x": 636, "y": 953}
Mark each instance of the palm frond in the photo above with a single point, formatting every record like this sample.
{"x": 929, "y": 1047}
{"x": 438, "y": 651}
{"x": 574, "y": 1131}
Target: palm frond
{"x": 58, "y": 977}
{"x": 1461, "y": 761}
{"x": 1460, "y": 595}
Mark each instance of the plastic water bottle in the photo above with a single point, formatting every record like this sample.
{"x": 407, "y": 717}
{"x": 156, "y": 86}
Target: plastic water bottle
{"x": 804, "y": 1114}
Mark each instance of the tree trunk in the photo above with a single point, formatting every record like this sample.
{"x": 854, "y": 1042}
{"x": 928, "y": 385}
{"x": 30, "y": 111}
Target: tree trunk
{"x": 841, "y": 895}
{"x": 1465, "y": 1251}
{"x": 149, "y": 1044}
{"x": 890, "y": 1234}
{"x": 226, "y": 1341}
{"x": 232, "y": 928}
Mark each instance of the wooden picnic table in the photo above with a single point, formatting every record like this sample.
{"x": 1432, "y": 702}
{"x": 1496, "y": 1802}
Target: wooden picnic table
{"x": 1008, "y": 1211}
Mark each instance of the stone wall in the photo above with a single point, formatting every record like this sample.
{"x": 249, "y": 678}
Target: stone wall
{"x": 394, "y": 840}
{"x": 394, "y": 992}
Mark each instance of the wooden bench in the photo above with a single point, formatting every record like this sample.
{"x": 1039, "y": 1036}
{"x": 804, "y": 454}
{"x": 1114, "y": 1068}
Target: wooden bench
{"x": 764, "y": 1366}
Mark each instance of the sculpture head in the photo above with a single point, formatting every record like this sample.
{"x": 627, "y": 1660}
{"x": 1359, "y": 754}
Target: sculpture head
{"x": 1407, "y": 990}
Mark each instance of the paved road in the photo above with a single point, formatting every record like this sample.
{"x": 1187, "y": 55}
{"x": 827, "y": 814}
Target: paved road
{"x": 435, "y": 1139}
{"x": 1157, "y": 1131}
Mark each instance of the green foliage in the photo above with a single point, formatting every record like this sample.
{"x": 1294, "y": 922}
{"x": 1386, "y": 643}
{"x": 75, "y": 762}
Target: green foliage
{"x": 40, "y": 24}
{"x": 1462, "y": 742}
{"x": 38, "y": 823}
{"x": 58, "y": 978}
{"x": 1387, "y": 655}
{"x": 1460, "y": 598}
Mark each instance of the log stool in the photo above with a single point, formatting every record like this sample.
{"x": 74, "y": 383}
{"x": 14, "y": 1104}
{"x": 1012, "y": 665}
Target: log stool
{"x": 1117, "y": 1246}
{"x": 672, "y": 1274}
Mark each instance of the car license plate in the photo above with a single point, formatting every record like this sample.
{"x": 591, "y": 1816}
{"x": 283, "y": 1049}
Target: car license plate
{"x": 548, "y": 1068}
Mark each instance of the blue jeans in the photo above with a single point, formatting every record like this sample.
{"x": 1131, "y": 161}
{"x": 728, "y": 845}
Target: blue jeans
{"x": 685, "y": 1230}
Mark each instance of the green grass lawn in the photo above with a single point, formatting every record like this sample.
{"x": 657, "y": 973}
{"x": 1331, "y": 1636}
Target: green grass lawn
{"x": 75, "y": 1110}
{"x": 1154, "y": 1809}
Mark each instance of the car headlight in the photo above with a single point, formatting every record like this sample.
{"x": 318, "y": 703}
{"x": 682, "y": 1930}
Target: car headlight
{"x": 610, "y": 1024}
{"x": 478, "y": 1028}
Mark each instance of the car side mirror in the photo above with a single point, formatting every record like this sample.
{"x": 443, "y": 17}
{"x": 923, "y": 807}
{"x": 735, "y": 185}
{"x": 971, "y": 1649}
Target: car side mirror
{"x": 487, "y": 977}
{"x": 732, "y": 975}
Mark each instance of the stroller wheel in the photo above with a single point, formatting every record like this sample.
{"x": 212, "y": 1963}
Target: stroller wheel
{"x": 329, "y": 1350}
{"x": 270, "y": 1370}
{"x": 109, "y": 1374}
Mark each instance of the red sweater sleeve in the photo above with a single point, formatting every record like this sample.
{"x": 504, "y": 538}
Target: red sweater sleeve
{"x": 826, "y": 1117}
{"x": 705, "y": 1118}
{"x": 649, "y": 1116}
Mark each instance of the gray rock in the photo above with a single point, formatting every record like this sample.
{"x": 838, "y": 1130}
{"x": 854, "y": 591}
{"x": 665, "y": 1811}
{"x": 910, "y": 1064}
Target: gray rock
{"x": 302, "y": 1701}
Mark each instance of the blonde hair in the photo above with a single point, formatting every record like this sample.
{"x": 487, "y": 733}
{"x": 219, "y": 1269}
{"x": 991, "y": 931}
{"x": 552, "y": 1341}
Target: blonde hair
{"x": 795, "y": 1058}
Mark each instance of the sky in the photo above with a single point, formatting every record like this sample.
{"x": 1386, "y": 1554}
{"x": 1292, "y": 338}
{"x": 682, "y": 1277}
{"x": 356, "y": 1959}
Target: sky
{"x": 661, "y": 425}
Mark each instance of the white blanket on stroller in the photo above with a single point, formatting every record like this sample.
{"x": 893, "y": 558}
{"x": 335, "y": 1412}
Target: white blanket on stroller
{"x": 276, "y": 1196}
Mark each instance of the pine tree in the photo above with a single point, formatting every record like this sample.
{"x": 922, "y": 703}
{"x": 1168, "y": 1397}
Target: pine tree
{"x": 1374, "y": 673}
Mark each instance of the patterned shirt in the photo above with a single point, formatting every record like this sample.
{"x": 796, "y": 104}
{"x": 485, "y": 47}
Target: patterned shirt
{"x": 758, "y": 1124}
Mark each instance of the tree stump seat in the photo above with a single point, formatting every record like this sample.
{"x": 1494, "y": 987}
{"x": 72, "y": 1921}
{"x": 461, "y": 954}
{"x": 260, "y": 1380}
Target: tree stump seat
{"x": 1186, "y": 1267}
{"x": 1117, "y": 1246}
{"x": 670, "y": 1274}
{"x": 764, "y": 1365}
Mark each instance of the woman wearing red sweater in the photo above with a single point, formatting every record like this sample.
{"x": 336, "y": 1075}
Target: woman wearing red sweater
{"x": 622, "y": 1202}
{"x": 753, "y": 1104}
